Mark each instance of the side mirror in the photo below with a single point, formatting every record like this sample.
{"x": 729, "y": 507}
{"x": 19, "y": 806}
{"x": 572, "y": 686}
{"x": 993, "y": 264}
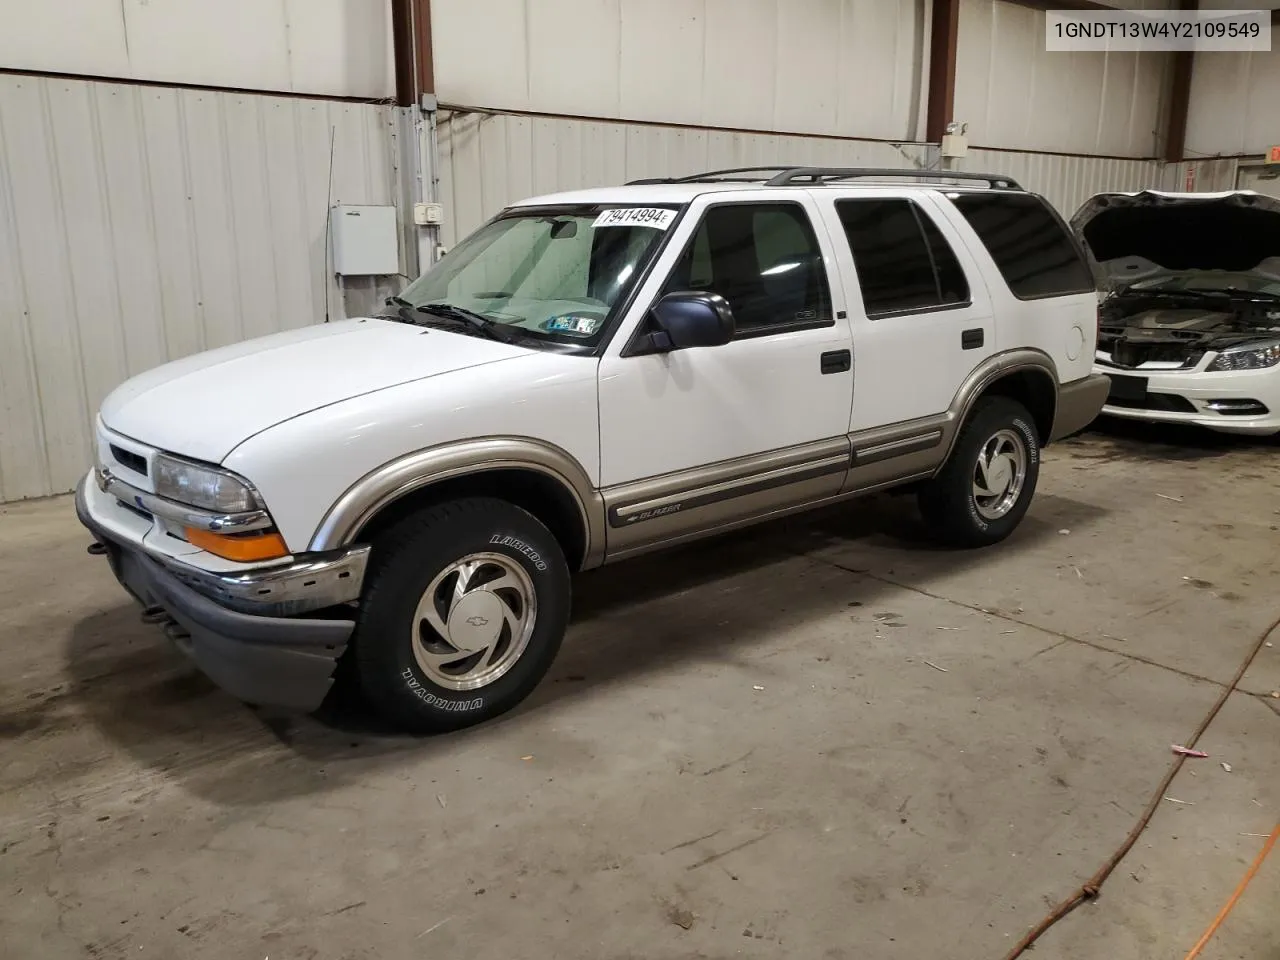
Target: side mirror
{"x": 693, "y": 319}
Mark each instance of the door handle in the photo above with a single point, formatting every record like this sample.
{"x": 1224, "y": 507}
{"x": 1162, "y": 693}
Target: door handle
{"x": 972, "y": 339}
{"x": 836, "y": 361}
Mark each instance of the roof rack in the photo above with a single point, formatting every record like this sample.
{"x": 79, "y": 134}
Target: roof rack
{"x": 830, "y": 174}
{"x": 714, "y": 176}
{"x": 788, "y": 176}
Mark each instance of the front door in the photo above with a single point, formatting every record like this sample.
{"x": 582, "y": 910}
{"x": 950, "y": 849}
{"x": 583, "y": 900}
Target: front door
{"x": 703, "y": 438}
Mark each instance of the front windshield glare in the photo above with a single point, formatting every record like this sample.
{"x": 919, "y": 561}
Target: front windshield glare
{"x": 552, "y": 275}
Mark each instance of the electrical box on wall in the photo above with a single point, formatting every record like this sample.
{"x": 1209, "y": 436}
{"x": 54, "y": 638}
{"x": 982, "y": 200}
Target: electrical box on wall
{"x": 428, "y": 214}
{"x": 955, "y": 146}
{"x": 365, "y": 240}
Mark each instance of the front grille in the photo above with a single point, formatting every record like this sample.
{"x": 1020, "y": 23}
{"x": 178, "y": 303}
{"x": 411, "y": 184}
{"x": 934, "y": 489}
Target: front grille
{"x": 1133, "y": 355}
{"x": 1163, "y": 402}
{"x": 133, "y": 461}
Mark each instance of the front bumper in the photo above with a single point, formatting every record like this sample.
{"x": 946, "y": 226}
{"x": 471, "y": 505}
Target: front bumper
{"x": 1196, "y": 398}
{"x": 264, "y": 659}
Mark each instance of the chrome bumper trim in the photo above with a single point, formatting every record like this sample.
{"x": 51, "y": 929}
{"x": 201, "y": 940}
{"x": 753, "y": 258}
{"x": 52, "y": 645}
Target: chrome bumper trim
{"x": 312, "y": 582}
{"x": 181, "y": 513}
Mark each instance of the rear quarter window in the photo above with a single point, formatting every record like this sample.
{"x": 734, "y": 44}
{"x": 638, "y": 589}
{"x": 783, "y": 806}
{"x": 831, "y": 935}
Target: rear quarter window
{"x": 1031, "y": 246}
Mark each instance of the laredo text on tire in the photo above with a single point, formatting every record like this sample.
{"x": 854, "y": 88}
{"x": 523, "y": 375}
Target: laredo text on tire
{"x": 465, "y": 608}
{"x": 984, "y": 489}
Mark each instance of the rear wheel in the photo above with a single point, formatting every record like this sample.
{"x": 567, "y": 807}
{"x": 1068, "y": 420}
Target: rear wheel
{"x": 464, "y": 610}
{"x": 984, "y": 489}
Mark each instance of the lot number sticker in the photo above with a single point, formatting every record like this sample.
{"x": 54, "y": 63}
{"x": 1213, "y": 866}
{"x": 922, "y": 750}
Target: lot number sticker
{"x": 654, "y": 217}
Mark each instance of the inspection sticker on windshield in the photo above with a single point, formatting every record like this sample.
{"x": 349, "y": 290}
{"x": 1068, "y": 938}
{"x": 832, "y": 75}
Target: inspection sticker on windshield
{"x": 571, "y": 324}
{"x": 655, "y": 217}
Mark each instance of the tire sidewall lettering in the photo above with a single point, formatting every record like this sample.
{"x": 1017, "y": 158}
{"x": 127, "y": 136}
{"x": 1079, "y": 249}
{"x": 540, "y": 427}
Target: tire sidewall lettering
{"x": 1028, "y": 439}
{"x": 420, "y": 691}
{"x": 520, "y": 547}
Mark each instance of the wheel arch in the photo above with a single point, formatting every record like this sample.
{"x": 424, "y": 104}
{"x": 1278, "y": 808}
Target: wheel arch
{"x": 1034, "y": 388}
{"x": 1026, "y": 375}
{"x": 535, "y": 476}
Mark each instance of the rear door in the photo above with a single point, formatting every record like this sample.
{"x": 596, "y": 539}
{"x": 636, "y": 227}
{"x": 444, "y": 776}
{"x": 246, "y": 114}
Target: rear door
{"x": 922, "y": 317}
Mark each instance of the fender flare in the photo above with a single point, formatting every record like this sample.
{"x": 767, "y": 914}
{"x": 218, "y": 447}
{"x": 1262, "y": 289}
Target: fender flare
{"x": 388, "y": 483}
{"x": 988, "y": 372}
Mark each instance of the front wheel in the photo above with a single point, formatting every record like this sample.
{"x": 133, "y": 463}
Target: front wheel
{"x": 464, "y": 611}
{"x": 984, "y": 489}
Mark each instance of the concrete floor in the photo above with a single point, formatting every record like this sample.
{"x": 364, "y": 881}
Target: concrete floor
{"x": 741, "y": 752}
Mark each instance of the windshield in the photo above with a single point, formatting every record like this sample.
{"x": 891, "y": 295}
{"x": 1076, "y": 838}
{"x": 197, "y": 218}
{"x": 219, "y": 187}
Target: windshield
{"x": 1211, "y": 280}
{"x": 550, "y": 274}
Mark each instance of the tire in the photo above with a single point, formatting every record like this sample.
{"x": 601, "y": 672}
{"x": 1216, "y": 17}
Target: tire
{"x": 435, "y": 664}
{"x": 951, "y": 503}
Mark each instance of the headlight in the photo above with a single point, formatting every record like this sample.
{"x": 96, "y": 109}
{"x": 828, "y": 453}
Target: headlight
{"x": 206, "y": 487}
{"x": 1248, "y": 356}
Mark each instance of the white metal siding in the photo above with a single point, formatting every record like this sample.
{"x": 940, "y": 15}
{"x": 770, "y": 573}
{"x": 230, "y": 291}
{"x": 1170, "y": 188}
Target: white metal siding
{"x": 1234, "y": 104}
{"x": 1067, "y": 181}
{"x": 339, "y": 48}
{"x": 140, "y": 224}
{"x": 490, "y": 160}
{"x": 835, "y": 67}
{"x": 1201, "y": 176}
{"x": 1263, "y": 179}
{"x": 1015, "y": 94}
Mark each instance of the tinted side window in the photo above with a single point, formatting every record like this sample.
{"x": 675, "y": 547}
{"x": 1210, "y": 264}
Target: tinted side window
{"x": 953, "y": 286}
{"x": 1031, "y": 247}
{"x": 764, "y": 259}
{"x": 904, "y": 263}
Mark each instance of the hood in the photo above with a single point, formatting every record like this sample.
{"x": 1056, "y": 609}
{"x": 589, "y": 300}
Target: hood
{"x": 1139, "y": 236}
{"x": 205, "y": 405}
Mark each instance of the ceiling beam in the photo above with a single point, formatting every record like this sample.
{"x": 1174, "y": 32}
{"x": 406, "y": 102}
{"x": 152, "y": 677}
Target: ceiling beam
{"x": 943, "y": 43}
{"x": 411, "y": 40}
{"x": 402, "y": 47}
{"x": 1063, "y": 4}
{"x": 1179, "y": 97}
{"x": 426, "y": 57}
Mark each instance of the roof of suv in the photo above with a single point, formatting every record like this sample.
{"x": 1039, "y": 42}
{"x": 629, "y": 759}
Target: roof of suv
{"x": 684, "y": 189}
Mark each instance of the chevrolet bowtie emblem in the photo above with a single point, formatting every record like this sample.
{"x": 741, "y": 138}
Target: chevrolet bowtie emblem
{"x": 477, "y": 621}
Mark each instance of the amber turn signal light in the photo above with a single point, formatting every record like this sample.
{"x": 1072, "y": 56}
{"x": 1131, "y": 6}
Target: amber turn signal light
{"x": 243, "y": 549}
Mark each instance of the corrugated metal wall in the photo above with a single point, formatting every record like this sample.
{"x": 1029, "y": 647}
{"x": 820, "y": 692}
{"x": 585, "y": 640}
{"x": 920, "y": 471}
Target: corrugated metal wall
{"x": 1064, "y": 180}
{"x": 1234, "y": 107}
{"x": 1015, "y": 94}
{"x": 1234, "y": 104}
{"x": 490, "y": 160}
{"x": 1201, "y": 176}
{"x": 141, "y": 224}
{"x": 337, "y": 48}
{"x": 832, "y": 67}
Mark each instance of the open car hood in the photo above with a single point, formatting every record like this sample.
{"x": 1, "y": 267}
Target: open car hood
{"x": 1140, "y": 236}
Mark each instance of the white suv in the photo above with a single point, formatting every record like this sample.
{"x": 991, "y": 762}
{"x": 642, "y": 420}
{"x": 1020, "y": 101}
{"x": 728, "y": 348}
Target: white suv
{"x": 588, "y": 377}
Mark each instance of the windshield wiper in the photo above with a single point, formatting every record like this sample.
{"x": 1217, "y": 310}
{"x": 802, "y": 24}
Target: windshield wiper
{"x": 404, "y": 309}
{"x": 481, "y": 324}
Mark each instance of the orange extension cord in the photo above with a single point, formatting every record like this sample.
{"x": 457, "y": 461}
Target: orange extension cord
{"x": 1222, "y": 914}
{"x": 1090, "y": 889}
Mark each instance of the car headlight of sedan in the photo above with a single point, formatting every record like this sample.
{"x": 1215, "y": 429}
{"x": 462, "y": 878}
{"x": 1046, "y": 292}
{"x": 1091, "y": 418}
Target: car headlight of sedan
{"x": 1247, "y": 356}
{"x": 208, "y": 488}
